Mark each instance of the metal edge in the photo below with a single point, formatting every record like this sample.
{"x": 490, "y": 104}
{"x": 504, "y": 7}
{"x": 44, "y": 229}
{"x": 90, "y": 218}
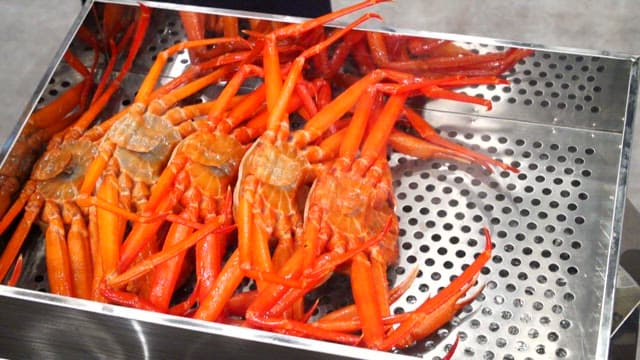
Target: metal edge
{"x": 40, "y": 88}
{"x": 606, "y": 315}
{"x": 237, "y": 332}
{"x": 381, "y": 27}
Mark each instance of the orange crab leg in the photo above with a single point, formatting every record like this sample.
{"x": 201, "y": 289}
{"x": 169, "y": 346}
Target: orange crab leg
{"x": 239, "y": 303}
{"x": 428, "y": 133}
{"x": 253, "y": 240}
{"x": 185, "y": 307}
{"x": 429, "y": 317}
{"x": 258, "y": 124}
{"x": 276, "y": 298}
{"x": 210, "y": 251}
{"x": 194, "y": 71}
{"x": 57, "y": 253}
{"x": 271, "y": 60}
{"x": 377, "y": 138}
{"x": 231, "y": 275}
{"x": 230, "y": 26}
{"x": 422, "y": 46}
{"x": 148, "y": 264}
{"x": 125, "y": 298}
{"x": 436, "y": 311}
{"x": 76, "y": 64}
{"x": 79, "y": 250}
{"x": 86, "y": 201}
{"x": 62, "y": 105}
{"x": 243, "y": 110}
{"x": 95, "y": 255}
{"x": 109, "y": 225}
{"x": 147, "y": 86}
{"x": 17, "y": 271}
{"x": 160, "y": 105}
{"x": 15, "y": 209}
{"x": 252, "y": 129}
{"x": 194, "y": 28}
{"x": 99, "y": 103}
{"x": 115, "y": 51}
{"x": 306, "y": 94}
{"x": 230, "y": 90}
{"x": 278, "y": 111}
{"x": 32, "y": 209}
{"x": 366, "y": 300}
{"x": 411, "y": 145}
{"x": 328, "y": 115}
{"x": 350, "y": 312}
{"x": 342, "y": 51}
{"x": 356, "y": 129}
{"x": 214, "y": 302}
{"x": 141, "y": 232}
{"x": 165, "y": 275}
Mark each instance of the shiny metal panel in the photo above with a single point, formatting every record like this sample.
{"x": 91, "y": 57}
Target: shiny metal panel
{"x": 26, "y": 29}
{"x": 45, "y": 326}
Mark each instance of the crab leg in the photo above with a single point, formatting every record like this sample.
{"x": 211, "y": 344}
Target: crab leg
{"x": 210, "y": 251}
{"x": 347, "y": 313}
{"x": 110, "y": 225}
{"x": 194, "y": 28}
{"x": 213, "y": 302}
{"x": 271, "y": 57}
{"x": 275, "y": 299}
{"x": 426, "y": 319}
{"x": 57, "y": 253}
{"x": 278, "y": 110}
{"x": 115, "y": 52}
{"x": 99, "y": 103}
{"x": 32, "y": 209}
{"x": 428, "y": 133}
{"x": 63, "y": 104}
{"x": 147, "y": 86}
{"x": 436, "y": 311}
{"x": 230, "y": 90}
{"x": 141, "y": 232}
{"x": 380, "y": 55}
{"x": 17, "y": 271}
{"x": 165, "y": 275}
{"x": 150, "y": 263}
{"x": 79, "y": 249}
{"x": 371, "y": 299}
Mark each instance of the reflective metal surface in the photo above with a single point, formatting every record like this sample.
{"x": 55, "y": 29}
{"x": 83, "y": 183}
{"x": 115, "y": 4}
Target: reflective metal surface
{"x": 44, "y": 326}
{"x": 31, "y": 45}
{"x": 555, "y": 228}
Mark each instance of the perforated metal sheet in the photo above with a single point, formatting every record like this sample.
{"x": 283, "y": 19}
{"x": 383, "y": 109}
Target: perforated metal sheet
{"x": 557, "y": 89}
{"x": 549, "y": 223}
{"x": 560, "y": 122}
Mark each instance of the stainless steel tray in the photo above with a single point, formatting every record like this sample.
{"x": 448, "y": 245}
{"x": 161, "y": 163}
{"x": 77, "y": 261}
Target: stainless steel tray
{"x": 564, "y": 121}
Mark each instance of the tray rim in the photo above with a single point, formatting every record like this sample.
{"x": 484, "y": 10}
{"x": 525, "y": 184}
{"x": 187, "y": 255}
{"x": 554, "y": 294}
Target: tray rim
{"x": 13, "y": 135}
{"x": 606, "y": 314}
{"x": 381, "y": 27}
{"x": 606, "y": 311}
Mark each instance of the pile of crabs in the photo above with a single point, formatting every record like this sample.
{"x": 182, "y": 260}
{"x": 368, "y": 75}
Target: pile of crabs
{"x": 224, "y": 190}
